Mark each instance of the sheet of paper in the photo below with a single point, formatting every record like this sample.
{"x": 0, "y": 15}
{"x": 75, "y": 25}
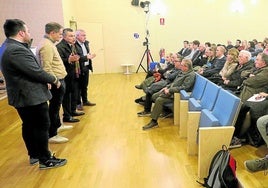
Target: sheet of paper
{"x": 255, "y": 99}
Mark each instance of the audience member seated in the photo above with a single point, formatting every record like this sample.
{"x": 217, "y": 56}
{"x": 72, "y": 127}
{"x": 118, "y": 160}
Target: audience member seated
{"x": 228, "y": 68}
{"x": 207, "y": 60}
{"x": 207, "y": 44}
{"x": 258, "y": 49}
{"x": 168, "y": 65}
{"x": 217, "y": 65}
{"x": 262, "y": 125}
{"x": 260, "y": 164}
{"x": 185, "y": 50}
{"x": 251, "y": 46}
{"x": 265, "y": 44}
{"x": 250, "y": 134}
{"x": 194, "y": 46}
{"x": 146, "y": 100}
{"x": 166, "y": 95}
{"x": 198, "y": 58}
{"x": 156, "y": 82}
{"x": 238, "y": 45}
{"x": 254, "y": 84}
{"x": 234, "y": 81}
{"x": 229, "y": 45}
{"x": 257, "y": 79}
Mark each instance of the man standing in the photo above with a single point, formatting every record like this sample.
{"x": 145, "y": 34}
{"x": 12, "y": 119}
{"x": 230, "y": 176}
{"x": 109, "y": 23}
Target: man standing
{"x": 27, "y": 89}
{"x": 82, "y": 46}
{"x": 51, "y": 62}
{"x": 70, "y": 58}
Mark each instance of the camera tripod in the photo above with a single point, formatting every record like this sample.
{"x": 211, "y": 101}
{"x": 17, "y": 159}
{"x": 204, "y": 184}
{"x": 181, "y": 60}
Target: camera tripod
{"x": 148, "y": 57}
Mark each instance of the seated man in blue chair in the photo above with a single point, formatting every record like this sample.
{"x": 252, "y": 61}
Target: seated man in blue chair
{"x": 166, "y": 95}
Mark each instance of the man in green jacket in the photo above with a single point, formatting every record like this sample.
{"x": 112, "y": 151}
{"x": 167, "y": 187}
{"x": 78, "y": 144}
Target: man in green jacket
{"x": 185, "y": 81}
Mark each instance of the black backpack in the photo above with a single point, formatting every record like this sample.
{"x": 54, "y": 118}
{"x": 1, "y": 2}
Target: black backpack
{"x": 222, "y": 171}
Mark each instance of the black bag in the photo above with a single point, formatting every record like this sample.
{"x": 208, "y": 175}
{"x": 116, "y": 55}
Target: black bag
{"x": 254, "y": 137}
{"x": 222, "y": 171}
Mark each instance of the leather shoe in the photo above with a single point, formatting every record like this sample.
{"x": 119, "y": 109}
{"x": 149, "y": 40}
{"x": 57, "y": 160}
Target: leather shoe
{"x": 70, "y": 120}
{"x": 150, "y": 125}
{"x": 78, "y": 113}
{"x": 89, "y": 103}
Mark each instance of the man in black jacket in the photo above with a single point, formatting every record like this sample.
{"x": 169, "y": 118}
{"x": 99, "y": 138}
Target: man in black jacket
{"x": 27, "y": 90}
{"x": 70, "y": 58}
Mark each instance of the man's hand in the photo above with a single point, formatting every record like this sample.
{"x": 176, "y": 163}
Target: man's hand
{"x": 58, "y": 84}
{"x": 49, "y": 86}
{"x": 91, "y": 56}
{"x": 73, "y": 58}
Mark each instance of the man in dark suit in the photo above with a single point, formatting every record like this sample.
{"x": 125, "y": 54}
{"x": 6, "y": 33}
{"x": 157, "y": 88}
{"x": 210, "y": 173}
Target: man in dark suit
{"x": 27, "y": 90}
{"x": 82, "y": 46}
{"x": 70, "y": 58}
{"x": 216, "y": 67}
{"x": 185, "y": 50}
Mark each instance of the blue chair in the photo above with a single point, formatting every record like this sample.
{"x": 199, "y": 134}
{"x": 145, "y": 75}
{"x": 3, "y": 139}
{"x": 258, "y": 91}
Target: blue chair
{"x": 153, "y": 65}
{"x": 195, "y": 106}
{"x": 198, "y": 89}
{"x": 207, "y": 100}
{"x": 182, "y": 103}
{"x": 216, "y": 128}
{"x": 224, "y": 111}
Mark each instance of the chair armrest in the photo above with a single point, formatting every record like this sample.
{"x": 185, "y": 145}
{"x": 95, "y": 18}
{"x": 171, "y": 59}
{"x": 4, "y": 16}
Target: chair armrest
{"x": 207, "y": 119}
{"x": 194, "y": 105}
{"x": 184, "y": 95}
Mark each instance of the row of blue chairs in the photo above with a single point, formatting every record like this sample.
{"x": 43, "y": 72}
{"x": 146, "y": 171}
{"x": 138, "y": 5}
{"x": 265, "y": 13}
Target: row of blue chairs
{"x": 206, "y": 117}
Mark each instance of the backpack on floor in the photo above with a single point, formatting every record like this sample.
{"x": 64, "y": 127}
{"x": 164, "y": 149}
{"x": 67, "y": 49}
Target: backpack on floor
{"x": 222, "y": 171}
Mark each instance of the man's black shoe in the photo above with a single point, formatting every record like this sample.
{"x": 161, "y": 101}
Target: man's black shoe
{"x": 89, "y": 103}
{"x": 142, "y": 103}
{"x": 52, "y": 162}
{"x": 138, "y": 100}
{"x": 138, "y": 87}
{"x": 78, "y": 113}
{"x": 152, "y": 124}
{"x": 70, "y": 120}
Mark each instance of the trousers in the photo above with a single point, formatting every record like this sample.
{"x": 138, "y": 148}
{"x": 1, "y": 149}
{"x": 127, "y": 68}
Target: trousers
{"x": 262, "y": 127}
{"x": 54, "y": 107}
{"x": 35, "y": 125}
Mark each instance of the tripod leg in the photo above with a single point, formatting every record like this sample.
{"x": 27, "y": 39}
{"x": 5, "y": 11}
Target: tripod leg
{"x": 140, "y": 65}
{"x": 151, "y": 56}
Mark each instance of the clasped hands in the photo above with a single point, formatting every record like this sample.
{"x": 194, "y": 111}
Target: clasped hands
{"x": 73, "y": 58}
{"x": 261, "y": 95}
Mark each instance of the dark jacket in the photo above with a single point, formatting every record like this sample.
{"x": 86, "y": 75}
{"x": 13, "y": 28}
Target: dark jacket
{"x": 185, "y": 52}
{"x": 26, "y": 81}
{"x": 65, "y": 51}
{"x": 215, "y": 67}
{"x": 255, "y": 84}
{"x": 184, "y": 81}
{"x": 235, "y": 78}
{"x": 83, "y": 58}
